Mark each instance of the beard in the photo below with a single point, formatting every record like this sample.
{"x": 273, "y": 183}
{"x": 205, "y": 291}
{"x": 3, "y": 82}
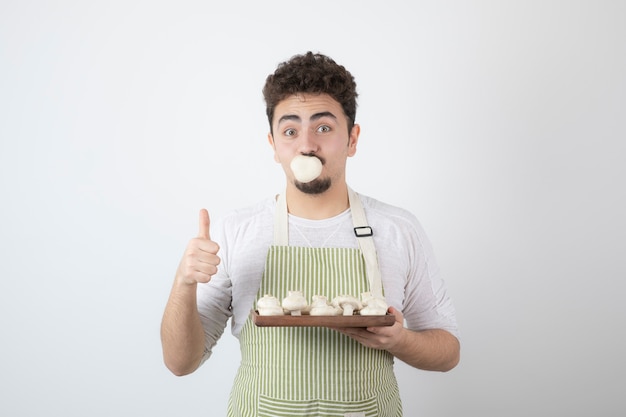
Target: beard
{"x": 317, "y": 186}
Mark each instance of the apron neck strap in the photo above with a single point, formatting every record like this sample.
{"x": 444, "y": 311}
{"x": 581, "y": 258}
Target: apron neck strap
{"x": 362, "y": 231}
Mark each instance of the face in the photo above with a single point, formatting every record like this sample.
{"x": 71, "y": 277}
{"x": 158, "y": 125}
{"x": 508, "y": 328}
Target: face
{"x": 311, "y": 124}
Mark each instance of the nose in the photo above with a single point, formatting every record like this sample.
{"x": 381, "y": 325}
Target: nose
{"x": 308, "y": 143}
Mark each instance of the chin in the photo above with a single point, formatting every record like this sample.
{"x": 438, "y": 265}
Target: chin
{"x": 315, "y": 187}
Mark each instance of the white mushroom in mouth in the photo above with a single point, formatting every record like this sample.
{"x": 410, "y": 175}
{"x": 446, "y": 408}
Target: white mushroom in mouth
{"x": 268, "y": 305}
{"x": 306, "y": 168}
{"x": 347, "y": 303}
{"x": 294, "y": 303}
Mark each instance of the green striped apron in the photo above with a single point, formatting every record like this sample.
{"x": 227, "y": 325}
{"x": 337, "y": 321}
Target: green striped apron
{"x": 314, "y": 371}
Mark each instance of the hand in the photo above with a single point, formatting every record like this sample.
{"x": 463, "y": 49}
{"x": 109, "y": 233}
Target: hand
{"x": 200, "y": 260}
{"x": 383, "y": 337}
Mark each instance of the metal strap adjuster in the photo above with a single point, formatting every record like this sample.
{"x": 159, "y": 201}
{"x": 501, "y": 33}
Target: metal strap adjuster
{"x": 363, "y": 231}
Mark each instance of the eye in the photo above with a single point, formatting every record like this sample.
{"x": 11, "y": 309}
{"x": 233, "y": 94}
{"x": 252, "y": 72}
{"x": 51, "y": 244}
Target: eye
{"x": 290, "y": 132}
{"x": 323, "y": 129}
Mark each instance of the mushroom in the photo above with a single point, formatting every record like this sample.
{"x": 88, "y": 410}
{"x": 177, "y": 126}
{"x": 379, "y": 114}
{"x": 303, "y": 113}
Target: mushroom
{"x": 347, "y": 303}
{"x": 306, "y": 168}
{"x": 294, "y": 303}
{"x": 373, "y": 306}
{"x": 318, "y": 300}
{"x": 321, "y": 307}
{"x": 268, "y": 305}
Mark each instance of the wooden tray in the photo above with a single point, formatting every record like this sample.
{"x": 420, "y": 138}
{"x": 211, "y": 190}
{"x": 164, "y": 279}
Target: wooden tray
{"x": 322, "y": 321}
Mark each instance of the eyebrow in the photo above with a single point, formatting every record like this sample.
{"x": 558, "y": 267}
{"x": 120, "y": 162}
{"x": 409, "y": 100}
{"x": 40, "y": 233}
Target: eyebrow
{"x": 313, "y": 118}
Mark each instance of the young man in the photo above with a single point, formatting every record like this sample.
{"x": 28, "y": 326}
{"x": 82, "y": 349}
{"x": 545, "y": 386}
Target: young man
{"x": 310, "y": 238}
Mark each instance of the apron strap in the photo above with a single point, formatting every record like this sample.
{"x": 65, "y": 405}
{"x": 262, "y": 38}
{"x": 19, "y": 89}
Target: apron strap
{"x": 362, "y": 231}
{"x": 364, "y": 238}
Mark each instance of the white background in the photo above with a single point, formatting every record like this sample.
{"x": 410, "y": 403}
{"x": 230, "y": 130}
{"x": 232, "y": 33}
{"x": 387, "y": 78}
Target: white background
{"x": 501, "y": 125}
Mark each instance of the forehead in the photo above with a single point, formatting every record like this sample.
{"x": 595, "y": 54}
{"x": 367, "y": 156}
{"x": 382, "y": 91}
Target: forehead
{"x": 306, "y": 105}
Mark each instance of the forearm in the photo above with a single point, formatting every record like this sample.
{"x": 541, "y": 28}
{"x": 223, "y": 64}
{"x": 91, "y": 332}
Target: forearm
{"x": 182, "y": 335}
{"x": 432, "y": 350}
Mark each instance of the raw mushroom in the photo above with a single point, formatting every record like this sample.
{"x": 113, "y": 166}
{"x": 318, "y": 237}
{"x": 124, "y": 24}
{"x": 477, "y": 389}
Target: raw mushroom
{"x": 306, "y": 168}
{"x": 319, "y": 300}
{"x": 347, "y": 303}
{"x": 268, "y": 305}
{"x": 294, "y": 303}
{"x": 373, "y": 306}
{"x": 321, "y": 307}
{"x": 368, "y": 299}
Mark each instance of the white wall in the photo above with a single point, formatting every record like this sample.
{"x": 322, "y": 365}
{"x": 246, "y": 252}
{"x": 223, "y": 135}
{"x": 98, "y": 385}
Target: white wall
{"x": 501, "y": 125}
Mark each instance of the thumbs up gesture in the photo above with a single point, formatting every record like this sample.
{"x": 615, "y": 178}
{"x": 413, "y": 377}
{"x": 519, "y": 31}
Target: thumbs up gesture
{"x": 200, "y": 260}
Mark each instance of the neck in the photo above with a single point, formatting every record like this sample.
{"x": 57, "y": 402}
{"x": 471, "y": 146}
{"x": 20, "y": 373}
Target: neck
{"x": 330, "y": 203}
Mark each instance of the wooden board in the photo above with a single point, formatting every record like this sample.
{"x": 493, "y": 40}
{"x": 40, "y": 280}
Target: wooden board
{"x": 322, "y": 321}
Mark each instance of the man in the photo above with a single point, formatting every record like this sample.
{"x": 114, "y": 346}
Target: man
{"x": 321, "y": 238}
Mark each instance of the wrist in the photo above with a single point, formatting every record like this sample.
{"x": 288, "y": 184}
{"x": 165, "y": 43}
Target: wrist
{"x": 402, "y": 340}
{"x": 183, "y": 285}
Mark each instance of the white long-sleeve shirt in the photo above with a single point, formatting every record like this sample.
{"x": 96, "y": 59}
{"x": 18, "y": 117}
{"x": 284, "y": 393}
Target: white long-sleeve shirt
{"x": 410, "y": 274}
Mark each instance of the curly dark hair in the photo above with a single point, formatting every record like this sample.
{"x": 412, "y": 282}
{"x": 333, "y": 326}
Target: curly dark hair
{"x": 311, "y": 73}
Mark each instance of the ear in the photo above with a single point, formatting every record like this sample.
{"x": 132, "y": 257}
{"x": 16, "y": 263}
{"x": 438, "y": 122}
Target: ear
{"x": 353, "y": 139}
{"x": 270, "y": 140}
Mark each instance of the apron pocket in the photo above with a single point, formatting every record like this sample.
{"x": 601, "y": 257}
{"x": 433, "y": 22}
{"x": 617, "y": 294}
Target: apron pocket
{"x": 273, "y": 407}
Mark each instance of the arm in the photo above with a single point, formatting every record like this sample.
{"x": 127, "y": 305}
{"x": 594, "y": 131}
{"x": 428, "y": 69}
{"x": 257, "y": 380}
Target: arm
{"x": 182, "y": 334}
{"x": 432, "y": 350}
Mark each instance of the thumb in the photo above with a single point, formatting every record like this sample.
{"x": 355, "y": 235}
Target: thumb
{"x": 205, "y": 223}
{"x": 398, "y": 314}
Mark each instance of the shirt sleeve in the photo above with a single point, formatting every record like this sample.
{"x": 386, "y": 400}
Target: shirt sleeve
{"x": 427, "y": 302}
